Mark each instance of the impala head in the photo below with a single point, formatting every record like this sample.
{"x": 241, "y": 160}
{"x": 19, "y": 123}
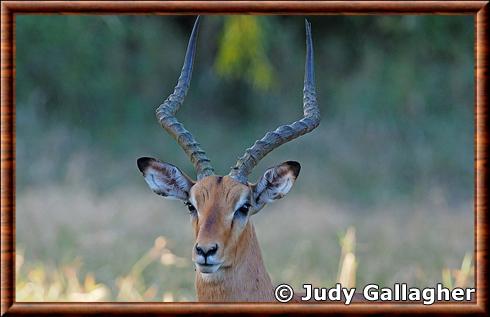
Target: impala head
{"x": 220, "y": 207}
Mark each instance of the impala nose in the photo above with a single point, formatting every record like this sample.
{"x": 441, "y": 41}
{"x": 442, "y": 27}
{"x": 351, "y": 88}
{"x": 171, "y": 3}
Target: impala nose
{"x": 206, "y": 250}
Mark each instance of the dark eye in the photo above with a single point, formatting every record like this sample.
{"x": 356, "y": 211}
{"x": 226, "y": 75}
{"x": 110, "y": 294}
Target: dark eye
{"x": 191, "y": 208}
{"x": 244, "y": 209}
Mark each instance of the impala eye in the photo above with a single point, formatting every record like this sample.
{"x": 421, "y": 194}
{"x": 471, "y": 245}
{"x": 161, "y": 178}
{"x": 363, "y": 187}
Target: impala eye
{"x": 191, "y": 207}
{"x": 244, "y": 209}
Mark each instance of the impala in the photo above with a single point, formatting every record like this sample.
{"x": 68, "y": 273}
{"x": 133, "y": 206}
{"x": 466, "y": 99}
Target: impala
{"x": 226, "y": 252}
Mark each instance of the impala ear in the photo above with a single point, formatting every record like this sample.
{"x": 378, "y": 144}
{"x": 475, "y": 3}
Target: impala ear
{"x": 165, "y": 179}
{"x": 275, "y": 183}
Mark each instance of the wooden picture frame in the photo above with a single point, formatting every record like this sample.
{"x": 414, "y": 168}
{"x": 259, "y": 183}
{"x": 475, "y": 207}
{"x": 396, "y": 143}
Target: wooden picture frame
{"x": 9, "y": 10}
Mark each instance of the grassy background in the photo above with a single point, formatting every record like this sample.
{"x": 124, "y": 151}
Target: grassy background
{"x": 392, "y": 157}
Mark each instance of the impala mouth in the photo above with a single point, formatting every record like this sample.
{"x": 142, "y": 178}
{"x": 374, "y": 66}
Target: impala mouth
{"x": 207, "y": 267}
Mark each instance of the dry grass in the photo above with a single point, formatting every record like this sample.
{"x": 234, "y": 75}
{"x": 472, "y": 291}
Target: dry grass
{"x": 79, "y": 245}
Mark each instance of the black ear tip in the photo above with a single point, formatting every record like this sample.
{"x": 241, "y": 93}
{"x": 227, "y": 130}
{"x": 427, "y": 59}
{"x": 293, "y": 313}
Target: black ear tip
{"x": 143, "y": 163}
{"x": 295, "y": 167}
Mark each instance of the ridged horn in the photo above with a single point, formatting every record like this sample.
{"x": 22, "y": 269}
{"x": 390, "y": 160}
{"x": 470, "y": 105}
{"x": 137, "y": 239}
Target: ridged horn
{"x": 166, "y": 113}
{"x": 284, "y": 133}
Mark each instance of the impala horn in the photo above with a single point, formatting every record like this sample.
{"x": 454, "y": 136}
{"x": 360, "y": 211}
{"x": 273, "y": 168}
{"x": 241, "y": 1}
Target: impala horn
{"x": 284, "y": 133}
{"x": 166, "y": 113}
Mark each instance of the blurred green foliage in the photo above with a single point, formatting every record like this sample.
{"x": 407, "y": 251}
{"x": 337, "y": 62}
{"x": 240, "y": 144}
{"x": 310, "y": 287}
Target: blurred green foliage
{"x": 396, "y": 95}
{"x": 242, "y": 52}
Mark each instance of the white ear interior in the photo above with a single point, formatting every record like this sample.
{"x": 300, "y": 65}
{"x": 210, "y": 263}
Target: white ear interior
{"x": 274, "y": 184}
{"x": 167, "y": 180}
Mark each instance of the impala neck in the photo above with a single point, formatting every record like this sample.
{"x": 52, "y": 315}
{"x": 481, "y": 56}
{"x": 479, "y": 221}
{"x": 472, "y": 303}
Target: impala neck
{"x": 245, "y": 280}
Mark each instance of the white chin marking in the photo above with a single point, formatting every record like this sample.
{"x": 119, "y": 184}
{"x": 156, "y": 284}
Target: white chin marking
{"x": 211, "y": 277}
{"x": 210, "y": 274}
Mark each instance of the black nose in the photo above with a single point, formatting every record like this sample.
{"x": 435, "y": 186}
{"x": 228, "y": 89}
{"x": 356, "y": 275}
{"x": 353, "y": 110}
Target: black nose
{"x": 206, "y": 250}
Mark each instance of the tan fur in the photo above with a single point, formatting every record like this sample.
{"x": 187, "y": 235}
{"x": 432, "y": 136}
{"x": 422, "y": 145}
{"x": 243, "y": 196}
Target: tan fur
{"x": 243, "y": 276}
